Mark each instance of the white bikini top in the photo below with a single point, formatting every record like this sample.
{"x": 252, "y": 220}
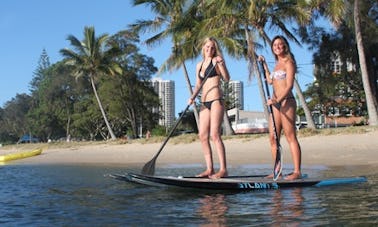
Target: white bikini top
{"x": 278, "y": 75}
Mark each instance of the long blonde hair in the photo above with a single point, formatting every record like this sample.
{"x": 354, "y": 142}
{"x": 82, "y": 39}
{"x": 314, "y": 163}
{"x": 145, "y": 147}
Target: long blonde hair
{"x": 218, "y": 52}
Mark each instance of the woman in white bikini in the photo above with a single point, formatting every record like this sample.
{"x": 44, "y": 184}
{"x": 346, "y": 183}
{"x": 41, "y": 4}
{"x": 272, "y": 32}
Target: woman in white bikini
{"x": 212, "y": 108}
{"x": 283, "y": 101}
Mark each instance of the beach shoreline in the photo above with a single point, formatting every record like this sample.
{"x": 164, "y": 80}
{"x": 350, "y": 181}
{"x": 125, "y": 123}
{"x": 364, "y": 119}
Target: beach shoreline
{"x": 355, "y": 149}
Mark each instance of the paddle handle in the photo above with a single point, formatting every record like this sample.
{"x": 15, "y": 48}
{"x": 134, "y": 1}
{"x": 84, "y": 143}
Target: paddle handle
{"x": 171, "y": 132}
{"x": 262, "y": 71}
{"x": 278, "y": 161}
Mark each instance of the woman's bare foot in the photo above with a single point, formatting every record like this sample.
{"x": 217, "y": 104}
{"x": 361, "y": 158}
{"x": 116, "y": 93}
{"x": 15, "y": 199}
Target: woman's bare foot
{"x": 205, "y": 174}
{"x": 294, "y": 176}
{"x": 218, "y": 175}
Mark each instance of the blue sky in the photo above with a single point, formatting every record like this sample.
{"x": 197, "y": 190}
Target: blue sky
{"x": 28, "y": 27}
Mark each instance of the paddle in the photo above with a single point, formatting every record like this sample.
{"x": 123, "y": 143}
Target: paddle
{"x": 149, "y": 167}
{"x": 278, "y": 162}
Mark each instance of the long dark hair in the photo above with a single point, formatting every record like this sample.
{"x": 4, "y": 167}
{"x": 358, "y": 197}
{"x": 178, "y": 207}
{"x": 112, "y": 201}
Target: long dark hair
{"x": 287, "y": 50}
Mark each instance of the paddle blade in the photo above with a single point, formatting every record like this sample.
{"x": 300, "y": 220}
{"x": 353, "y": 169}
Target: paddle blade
{"x": 277, "y": 170}
{"x": 149, "y": 167}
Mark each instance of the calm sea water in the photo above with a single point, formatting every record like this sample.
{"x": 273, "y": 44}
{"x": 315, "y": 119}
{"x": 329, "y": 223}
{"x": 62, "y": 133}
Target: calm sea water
{"x": 56, "y": 195}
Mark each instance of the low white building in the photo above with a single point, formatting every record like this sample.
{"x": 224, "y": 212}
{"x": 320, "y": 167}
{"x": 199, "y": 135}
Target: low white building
{"x": 247, "y": 122}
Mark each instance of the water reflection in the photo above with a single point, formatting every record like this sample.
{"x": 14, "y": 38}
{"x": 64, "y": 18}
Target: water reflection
{"x": 288, "y": 207}
{"x": 213, "y": 209}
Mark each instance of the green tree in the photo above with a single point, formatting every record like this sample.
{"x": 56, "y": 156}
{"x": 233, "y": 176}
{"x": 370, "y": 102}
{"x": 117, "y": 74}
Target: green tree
{"x": 131, "y": 98}
{"x": 171, "y": 21}
{"x": 39, "y": 74}
{"x": 93, "y": 58}
{"x": 14, "y": 116}
{"x": 56, "y": 96}
{"x": 348, "y": 11}
{"x": 337, "y": 88}
{"x": 87, "y": 121}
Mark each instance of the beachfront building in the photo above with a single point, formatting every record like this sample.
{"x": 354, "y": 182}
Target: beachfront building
{"x": 166, "y": 92}
{"x": 341, "y": 108}
{"x": 236, "y": 94}
{"x": 337, "y": 63}
{"x": 247, "y": 122}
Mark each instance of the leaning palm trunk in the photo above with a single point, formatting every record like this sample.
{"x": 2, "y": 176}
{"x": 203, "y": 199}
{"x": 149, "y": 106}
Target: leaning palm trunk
{"x": 261, "y": 89}
{"x": 252, "y": 66}
{"x": 113, "y": 137}
{"x": 371, "y": 105}
{"x": 307, "y": 112}
{"x": 191, "y": 92}
{"x": 227, "y": 128}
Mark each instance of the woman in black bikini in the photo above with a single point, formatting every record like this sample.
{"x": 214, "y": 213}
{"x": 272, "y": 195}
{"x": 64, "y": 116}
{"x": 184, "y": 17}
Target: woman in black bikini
{"x": 212, "y": 108}
{"x": 282, "y": 79}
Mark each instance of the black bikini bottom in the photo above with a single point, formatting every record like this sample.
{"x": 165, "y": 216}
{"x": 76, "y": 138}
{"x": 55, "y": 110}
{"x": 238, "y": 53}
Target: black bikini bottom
{"x": 208, "y": 103}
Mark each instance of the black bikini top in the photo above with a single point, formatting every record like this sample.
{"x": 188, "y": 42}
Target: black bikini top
{"x": 210, "y": 70}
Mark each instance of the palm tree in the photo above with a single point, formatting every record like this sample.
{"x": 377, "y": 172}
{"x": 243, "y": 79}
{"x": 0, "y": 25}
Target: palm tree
{"x": 336, "y": 11}
{"x": 168, "y": 14}
{"x": 277, "y": 13}
{"x": 92, "y": 58}
{"x": 251, "y": 19}
{"x": 371, "y": 105}
{"x": 195, "y": 25}
{"x": 185, "y": 27}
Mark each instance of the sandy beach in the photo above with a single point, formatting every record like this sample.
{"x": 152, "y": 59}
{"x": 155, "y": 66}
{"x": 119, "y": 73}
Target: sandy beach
{"x": 330, "y": 150}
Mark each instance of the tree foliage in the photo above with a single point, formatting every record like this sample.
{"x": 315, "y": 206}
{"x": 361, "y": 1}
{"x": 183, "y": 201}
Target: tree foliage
{"x": 338, "y": 87}
{"x": 62, "y": 105}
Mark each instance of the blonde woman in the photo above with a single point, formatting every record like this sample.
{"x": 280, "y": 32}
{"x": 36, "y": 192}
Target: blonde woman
{"x": 212, "y": 68}
{"x": 283, "y": 101}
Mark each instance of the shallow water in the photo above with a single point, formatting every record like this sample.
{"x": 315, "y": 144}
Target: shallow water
{"x": 57, "y": 195}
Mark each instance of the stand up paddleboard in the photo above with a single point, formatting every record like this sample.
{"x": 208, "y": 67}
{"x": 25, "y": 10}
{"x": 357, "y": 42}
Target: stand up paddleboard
{"x": 241, "y": 183}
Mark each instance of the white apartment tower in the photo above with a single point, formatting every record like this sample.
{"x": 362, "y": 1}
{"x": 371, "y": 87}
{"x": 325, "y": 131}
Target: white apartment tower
{"x": 166, "y": 92}
{"x": 237, "y": 93}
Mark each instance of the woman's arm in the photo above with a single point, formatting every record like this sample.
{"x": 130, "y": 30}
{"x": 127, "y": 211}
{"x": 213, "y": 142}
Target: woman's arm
{"x": 197, "y": 86}
{"x": 222, "y": 69}
{"x": 266, "y": 69}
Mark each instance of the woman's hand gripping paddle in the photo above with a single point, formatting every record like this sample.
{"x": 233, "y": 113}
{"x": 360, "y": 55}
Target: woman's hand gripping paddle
{"x": 149, "y": 167}
{"x": 277, "y": 169}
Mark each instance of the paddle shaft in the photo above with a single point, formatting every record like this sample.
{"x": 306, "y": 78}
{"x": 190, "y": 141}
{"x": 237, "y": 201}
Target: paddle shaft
{"x": 278, "y": 150}
{"x": 149, "y": 168}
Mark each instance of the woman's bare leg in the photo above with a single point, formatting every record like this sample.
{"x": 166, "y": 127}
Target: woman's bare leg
{"x": 216, "y": 119}
{"x": 204, "y": 131}
{"x": 288, "y": 123}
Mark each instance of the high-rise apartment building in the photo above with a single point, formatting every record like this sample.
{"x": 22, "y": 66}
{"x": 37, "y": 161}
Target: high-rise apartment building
{"x": 166, "y": 92}
{"x": 237, "y": 93}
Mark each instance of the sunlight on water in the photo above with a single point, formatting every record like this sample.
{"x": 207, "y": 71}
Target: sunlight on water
{"x": 85, "y": 196}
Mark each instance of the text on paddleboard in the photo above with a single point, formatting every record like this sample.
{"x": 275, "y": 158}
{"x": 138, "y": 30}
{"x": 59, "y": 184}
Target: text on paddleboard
{"x": 259, "y": 185}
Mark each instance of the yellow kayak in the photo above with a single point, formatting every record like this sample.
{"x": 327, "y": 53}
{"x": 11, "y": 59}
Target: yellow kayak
{"x": 19, "y": 155}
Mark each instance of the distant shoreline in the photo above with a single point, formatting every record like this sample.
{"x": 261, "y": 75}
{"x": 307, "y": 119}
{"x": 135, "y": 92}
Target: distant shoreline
{"x": 343, "y": 149}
